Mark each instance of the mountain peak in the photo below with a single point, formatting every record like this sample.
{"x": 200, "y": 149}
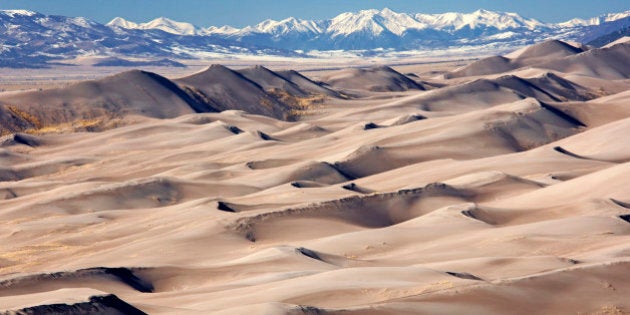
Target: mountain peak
{"x": 170, "y": 26}
{"x": 121, "y": 22}
{"x": 369, "y": 12}
{"x": 13, "y": 13}
{"x": 604, "y": 18}
{"x": 288, "y": 25}
{"x": 160, "y": 23}
{"x": 387, "y": 11}
{"x": 223, "y": 30}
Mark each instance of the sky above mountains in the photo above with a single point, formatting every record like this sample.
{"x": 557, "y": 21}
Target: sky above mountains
{"x": 247, "y": 12}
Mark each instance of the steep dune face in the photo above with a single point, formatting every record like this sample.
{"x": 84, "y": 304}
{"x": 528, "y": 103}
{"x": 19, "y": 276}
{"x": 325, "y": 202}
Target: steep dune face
{"x": 486, "y": 93}
{"x": 378, "y": 79}
{"x": 549, "y": 49}
{"x": 270, "y": 80}
{"x": 307, "y": 84}
{"x": 548, "y": 88}
{"x": 490, "y": 65}
{"x": 486, "y": 195}
{"x": 132, "y": 92}
{"x": 256, "y": 90}
{"x": 607, "y": 63}
{"x": 536, "y": 55}
{"x": 226, "y": 89}
{"x": 96, "y": 304}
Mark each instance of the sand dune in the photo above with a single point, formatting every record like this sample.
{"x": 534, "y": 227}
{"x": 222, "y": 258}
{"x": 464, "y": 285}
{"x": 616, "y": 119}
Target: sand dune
{"x": 538, "y": 55}
{"x": 490, "y": 65}
{"x": 227, "y": 89}
{"x": 549, "y": 49}
{"x": 307, "y": 84}
{"x": 622, "y": 40}
{"x": 549, "y": 87}
{"x": 489, "y": 193}
{"x": 607, "y": 63}
{"x": 132, "y": 92}
{"x": 377, "y": 79}
{"x": 270, "y": 80}
{"x": 90, "y": 105}
{"x": 95, "y": 304}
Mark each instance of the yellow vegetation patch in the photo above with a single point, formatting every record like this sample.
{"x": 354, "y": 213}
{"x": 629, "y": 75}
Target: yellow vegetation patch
{"x": 24, "y": 115}
{"x": 81, "y": 124}
{"x": 300, "y": 106}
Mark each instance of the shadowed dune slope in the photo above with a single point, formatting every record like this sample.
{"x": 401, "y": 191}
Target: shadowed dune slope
{"x": 549, "y": 49}
{"x": 255, "y": 90}
{"x": 270, "y": 80}
{"x": 226, "y": 89}
{"x": 490, "y": 65}
{"x": 132, "y": 92}
{"x": 607, "y": 63}
{"x": 97, "y": 304}
{"x": 485, "y": 93}
{"x": 377, "y": 79}
{"x": 545, "y": 52}
{"x": 307, "y": 84}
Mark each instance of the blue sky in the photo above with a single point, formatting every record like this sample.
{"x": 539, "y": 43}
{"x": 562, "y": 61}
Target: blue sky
{"x": 246, "y": 12}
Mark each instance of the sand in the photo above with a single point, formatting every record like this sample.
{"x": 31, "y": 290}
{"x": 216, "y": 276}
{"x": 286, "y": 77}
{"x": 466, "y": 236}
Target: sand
{"x": 493, "y": 192}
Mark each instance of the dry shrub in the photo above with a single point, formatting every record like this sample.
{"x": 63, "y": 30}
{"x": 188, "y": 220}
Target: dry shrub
{"x": 25, "y": 116}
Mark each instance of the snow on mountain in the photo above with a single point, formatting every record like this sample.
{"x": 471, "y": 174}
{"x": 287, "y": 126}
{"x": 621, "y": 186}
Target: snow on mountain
{"x": 371, "y": 29}
{"x": 372, "y": 22}
{"x": 578, "y": 22}
{"x": 478, "y": 19}
{"x": 288, "y": 25}
{"x": 13, "y": 13}
{"x": 610, "y": 17}
{"x": 614, "y": 16}
{"x": 223, "y": 30}
{"x": 161, "y": 23}
{"x": 120, "y": 22}
{"x": 368, "y": 29}
{"x": 28, "y": 37}
{"x": 376, "y": 22}
{"x": 170, "y": 26}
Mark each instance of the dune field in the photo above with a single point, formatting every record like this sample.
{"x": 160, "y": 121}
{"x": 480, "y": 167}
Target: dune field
{"x": 498, "y": 187}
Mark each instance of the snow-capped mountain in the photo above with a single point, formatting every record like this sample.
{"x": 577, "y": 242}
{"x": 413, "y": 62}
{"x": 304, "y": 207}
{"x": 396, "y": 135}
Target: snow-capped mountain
{"x": 13, "y": 13}
{"x": 122, "y": 23}
{"x": 372, "y": 22}
{"x": 31, "y": 39}
{"x": 222, "y": 30}
{"x": 286, "y": 26}
{"x": 161, "y": 23}
{"x": 371, "y": 29}
{"x": 28, "y": 37}
{"x": 595, "y": 20}
{"x": 478, "y": 19}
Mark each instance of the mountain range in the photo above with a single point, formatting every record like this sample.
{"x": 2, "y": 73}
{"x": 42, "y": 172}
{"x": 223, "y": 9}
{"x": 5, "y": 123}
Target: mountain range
{"x": 30, "y": 38}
